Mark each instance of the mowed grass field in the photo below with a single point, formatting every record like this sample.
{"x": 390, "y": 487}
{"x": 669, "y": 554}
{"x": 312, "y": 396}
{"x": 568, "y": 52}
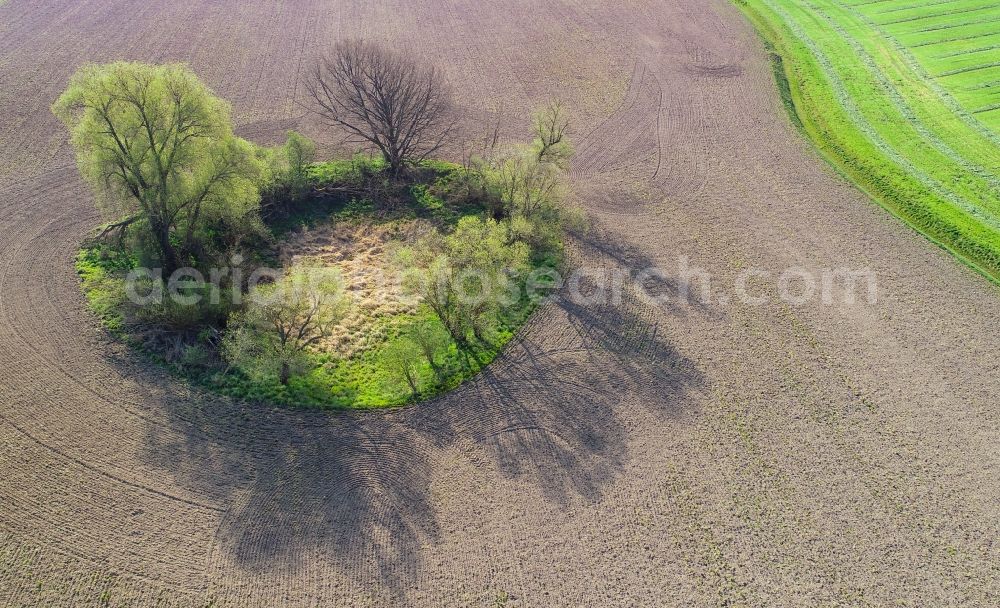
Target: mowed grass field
{"x": 904, "y": 98}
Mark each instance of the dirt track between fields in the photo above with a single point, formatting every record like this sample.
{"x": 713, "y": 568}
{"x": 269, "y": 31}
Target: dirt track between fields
{"x": 620, "y": 455}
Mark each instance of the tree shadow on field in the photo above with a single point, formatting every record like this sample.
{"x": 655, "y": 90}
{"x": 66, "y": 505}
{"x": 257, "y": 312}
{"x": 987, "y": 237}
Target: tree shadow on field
{"x": 652, "y": 283}
{"x": 345, "y": 498}
{"x": 553, "y": 410}
{"x": 310, "y": 496}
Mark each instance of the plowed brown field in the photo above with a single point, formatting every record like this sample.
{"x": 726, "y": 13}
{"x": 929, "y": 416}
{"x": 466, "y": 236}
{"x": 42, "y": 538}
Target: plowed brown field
{"x": 622, "y": 455}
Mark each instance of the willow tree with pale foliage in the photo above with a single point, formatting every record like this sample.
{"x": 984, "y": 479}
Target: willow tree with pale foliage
{"x": 157, "y": 146}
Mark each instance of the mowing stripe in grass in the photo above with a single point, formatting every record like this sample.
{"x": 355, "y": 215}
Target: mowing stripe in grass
{"x": 955, "y": 12}
{"x": 983, "y": 85}
{"x": 971, "y": 68}
{"x": 869, "y": 2}
{"x": 956, "y": 39}
{"x": 962, "y": 53}
{"x": 983, "y": 110}
{"x": 912, "y": 6}
{"x": 951, "y": 26}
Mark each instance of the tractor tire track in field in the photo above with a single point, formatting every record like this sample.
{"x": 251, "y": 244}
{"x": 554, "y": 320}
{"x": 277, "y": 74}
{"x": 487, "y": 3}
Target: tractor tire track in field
{"x": 623, "y": 454}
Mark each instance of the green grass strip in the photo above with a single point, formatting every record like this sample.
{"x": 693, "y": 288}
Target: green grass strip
{"x": 907, "y": 144}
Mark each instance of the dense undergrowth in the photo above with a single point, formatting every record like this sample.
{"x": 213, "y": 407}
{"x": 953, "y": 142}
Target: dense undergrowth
{"x": 390, "y": 369}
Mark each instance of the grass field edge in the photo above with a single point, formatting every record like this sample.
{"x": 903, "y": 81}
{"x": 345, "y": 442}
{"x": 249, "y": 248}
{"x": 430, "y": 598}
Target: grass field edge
{"x": 789, "y": 91}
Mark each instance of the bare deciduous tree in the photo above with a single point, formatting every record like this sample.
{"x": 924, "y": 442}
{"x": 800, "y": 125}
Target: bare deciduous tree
{"x": 382, "y": 99}
{"x": 551, "y": 127}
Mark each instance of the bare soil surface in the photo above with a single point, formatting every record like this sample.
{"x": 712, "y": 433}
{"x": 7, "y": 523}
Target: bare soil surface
{"x": 616, "y": 455}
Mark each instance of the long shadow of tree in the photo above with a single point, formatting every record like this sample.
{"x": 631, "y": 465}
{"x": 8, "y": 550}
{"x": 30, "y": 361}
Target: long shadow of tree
{"x": 310, "y": 491}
